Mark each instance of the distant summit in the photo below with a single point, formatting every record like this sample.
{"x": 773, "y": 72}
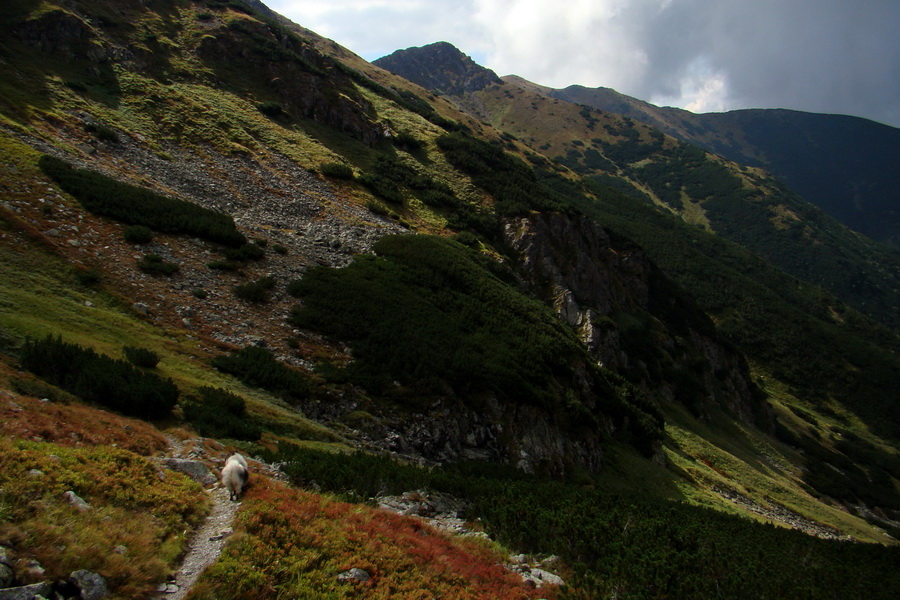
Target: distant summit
{"x": 440, "y": 67}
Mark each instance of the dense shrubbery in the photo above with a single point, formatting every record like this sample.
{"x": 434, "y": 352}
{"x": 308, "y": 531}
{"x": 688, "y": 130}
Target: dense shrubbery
{"x": 153, "y": 264}
{"x": 425, "y": 309}
{"x": 244, "y": 252}
{"x": 98, "y": 378}
{"x": 622, "y": 545}
{"x": 255, "y": 291}
{"x": 258, "y": 367}
{"x": 141, "y": 357}
{"x": 138, "y": 234}
{"x": 104, "y": 133}
{"x": 336, "y": 170}
{"x": 221, "y": 414}
{"x": 138, "y": 206}
{"x": 407, "y": 141}
{"x": 390, "y": 175}
{"x": 270, "y": 109}
{"x": 431, "y": 313}
{"x": 510, "y": 181}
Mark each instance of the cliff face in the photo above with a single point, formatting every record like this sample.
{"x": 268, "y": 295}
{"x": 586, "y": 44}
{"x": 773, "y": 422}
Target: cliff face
{"x": 631, "y": 319}
{"x": 85, "y": 44}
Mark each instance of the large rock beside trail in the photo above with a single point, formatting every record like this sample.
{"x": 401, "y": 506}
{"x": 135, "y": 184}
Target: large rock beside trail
{"x": 194, "y": 469}
{"x": 27, "y": 592}
{"x": 92, "y": 585}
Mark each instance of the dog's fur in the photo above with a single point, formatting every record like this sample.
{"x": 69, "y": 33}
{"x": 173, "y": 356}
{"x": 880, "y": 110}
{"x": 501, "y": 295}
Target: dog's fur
{"x": 235, "y": 475}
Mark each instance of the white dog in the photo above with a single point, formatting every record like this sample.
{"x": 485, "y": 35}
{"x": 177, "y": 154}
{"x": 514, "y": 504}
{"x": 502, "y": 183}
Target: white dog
{"x": 235, "y": 474}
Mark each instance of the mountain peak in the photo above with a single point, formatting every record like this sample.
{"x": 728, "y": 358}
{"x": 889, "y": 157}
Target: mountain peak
{"x": 441, "y": 67}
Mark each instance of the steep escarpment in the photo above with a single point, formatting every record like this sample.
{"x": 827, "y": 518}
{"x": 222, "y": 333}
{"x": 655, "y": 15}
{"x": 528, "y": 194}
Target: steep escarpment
{"x": 630, "y": 317}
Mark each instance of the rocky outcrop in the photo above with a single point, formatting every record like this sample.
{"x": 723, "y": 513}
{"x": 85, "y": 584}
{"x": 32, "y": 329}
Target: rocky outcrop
{"x": 441, "y": 67}
{"x": 534, "y": 439}
{"x": 306, "y": 83}
{"x": 63, "y": 34}
{"x": 632, "y": 319}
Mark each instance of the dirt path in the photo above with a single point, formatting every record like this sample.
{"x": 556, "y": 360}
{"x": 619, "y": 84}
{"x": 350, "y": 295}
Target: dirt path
{"x": 205, "y": 547}
{"x": 209, "y": 538}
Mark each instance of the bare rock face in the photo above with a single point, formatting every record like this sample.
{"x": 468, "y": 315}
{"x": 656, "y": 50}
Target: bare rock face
{"x": 295, "y": 72}
{"x": 58, "y": 32}
{"x": 622, "y": 306}
{"x": 532, "y": 438}
{"x": 194, "y": 469}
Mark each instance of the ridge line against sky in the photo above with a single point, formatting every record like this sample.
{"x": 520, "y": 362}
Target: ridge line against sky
{"x": 826, "y": 56}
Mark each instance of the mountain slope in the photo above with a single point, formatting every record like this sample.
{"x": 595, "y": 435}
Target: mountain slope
{"x": 397, "y": 280}
{"x": 740, "y": 203}
{"x": 844, "y": 165}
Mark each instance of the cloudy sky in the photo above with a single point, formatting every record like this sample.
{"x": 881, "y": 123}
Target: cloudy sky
{"x": 831, "y": 56}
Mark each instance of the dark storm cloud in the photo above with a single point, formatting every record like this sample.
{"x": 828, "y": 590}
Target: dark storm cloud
{"x": 815, "y": 55}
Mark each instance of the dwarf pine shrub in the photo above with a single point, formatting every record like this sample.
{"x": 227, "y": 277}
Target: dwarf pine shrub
{"x": 336, "y": 171}
{"x": 153, "y": 264}
{"x": 98, "y": 378}
{"x": 255, "y": 291}
{"x": 138, "y": 234}
{"x": 219, "y": 413}
{"x": 133, "y": 205}
{"x": 258, "y": 367}
{"x": 141, "y": 357}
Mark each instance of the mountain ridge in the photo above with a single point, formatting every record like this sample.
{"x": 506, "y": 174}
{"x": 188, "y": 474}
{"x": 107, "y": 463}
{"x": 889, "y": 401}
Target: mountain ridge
{"x": 776, "y": 223}
{"x": 838, "y": 162}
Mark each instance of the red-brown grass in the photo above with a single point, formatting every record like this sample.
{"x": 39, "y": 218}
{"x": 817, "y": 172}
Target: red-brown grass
{"x": 76, "y": 425}
{"x": 293, "y": 544}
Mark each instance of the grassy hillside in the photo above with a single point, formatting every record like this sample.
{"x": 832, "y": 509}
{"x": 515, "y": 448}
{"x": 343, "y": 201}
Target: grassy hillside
{"x": 839, "y": 163}
{"x": 741, "y": 204}
{"x": 328, "y": 338}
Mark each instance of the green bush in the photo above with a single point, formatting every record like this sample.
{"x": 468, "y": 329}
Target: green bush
{"x": 87, "y": 277}
{"x": 138, "y": 234}
{"x": 336, "y": 171}
{"x": 224, "y": 265}
{"x": 100, "y": 379}
{"x": 270, "y": 109}
{"x": 510, "y": 181}
{"x": 255, "y": 291}
{"x": 245, "y": 252}
{"x": 406, "y": 141}
{"x": 138, "y": 206}
{"x": 382, "y": 187}
{"x": 257, "y": 367}
{"x": 295, "y": 288}
{"x": 141, "y": 357}
{"x": 153, "y": 264}
{"x": 219, "y": 413}
{"x": 103, "y": 133}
